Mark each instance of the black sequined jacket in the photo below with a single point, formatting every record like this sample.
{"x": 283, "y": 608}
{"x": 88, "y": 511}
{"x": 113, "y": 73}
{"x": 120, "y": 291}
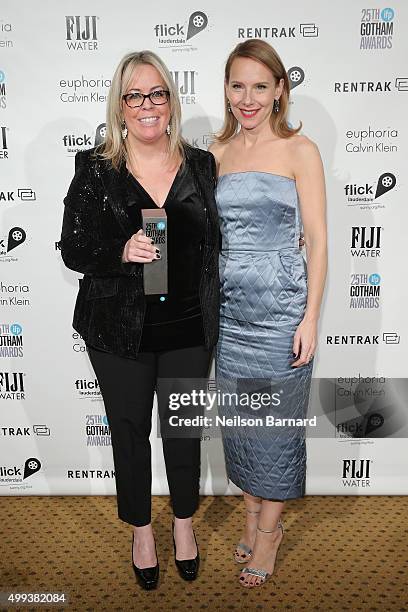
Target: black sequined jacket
{"x": 110, "y": 306}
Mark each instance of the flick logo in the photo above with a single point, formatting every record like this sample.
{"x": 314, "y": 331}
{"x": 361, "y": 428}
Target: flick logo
{"x": 15, "y": 238}
{"x": 31, "y": 466}
{"x": 198, "y": 21}
{"x": 367, "y": 194}
{"x": 100, "y": 134}
{"x": 296, "y": 76}
{"x": 386, "y": 182}
{"x": 179, "y": 34}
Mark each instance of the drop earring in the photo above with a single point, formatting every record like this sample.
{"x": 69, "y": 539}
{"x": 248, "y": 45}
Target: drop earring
{"x": 276, "y": 106}
{"x": 229, "y": 107}
{"x": 124, "y": 130}
{"x": 168, "y": 130}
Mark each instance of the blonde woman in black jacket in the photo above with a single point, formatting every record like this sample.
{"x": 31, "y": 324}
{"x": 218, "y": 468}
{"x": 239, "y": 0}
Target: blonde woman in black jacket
{"x": 134, "y": 341}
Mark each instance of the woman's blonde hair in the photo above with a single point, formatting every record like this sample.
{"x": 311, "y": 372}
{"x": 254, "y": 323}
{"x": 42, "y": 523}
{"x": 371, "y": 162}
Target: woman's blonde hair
{"x": 260, "y": 51}
{"x": 114, "y": 147}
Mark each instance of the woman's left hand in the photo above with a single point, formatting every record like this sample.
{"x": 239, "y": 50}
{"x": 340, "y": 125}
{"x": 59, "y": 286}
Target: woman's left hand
{"x": 304, "y": 342}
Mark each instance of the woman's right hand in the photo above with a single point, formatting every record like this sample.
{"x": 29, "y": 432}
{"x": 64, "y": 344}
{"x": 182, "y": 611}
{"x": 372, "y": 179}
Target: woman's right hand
{"x": 139, "y": 248}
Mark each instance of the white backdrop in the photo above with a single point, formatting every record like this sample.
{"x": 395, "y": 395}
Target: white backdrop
{"x": 347, "y": 65}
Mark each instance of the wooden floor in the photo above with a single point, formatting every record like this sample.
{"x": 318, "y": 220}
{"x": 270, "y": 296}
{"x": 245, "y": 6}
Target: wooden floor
{"x": 338, "y": 553}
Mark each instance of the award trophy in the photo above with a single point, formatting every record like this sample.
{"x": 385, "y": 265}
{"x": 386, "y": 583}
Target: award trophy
{"x": 155, "y": 273}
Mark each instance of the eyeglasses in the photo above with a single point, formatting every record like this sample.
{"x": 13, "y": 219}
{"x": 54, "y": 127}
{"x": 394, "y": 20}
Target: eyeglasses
{"x": 134, "y": 99}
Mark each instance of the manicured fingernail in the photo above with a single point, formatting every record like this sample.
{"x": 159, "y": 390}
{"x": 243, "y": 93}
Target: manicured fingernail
{"x": 158, "y": 256}
{"x": 157, "y": 250}
{"x": 152, "y": 242}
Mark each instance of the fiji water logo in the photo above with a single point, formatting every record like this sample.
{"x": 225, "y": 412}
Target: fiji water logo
{"x": 161, "y": 225}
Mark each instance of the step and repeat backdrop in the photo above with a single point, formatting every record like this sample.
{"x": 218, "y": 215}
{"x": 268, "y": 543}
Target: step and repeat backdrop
{"x": 349, "y": 86}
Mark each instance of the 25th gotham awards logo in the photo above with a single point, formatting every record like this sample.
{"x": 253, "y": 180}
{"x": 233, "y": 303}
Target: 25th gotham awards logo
{"x": 178, "y": 35}
{"x": 3, "y": 101}
{"x": 11, "y": 340}
{"x": 364, "y": 291}
{"x": 367, "y": 196}
{"x": 81, "y": 32}
{"x": 98, "y": 432}
{"x": 376, "y": 28}
{"x": 306, "y": 30}
{"x": 8, "y": 242}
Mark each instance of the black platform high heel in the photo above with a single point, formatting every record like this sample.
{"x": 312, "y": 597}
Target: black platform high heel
{"x": 147, "y": 577}
{"x": 188, "y": 568}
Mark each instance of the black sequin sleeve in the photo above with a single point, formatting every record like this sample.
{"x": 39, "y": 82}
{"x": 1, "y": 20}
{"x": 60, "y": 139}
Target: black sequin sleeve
{"x": 90, "y": 240}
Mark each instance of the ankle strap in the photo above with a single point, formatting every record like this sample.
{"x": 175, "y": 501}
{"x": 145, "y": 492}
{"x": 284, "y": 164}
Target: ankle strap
{"x": 279, "y": 526}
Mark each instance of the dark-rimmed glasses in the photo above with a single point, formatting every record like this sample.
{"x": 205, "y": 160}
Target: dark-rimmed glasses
{"x": 134, "y": 99}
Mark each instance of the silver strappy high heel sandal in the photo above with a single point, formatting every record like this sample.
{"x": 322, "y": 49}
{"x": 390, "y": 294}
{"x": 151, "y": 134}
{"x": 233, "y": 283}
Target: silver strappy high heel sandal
{"x": 244, "y": 547}
{"x": 263, "y": 574}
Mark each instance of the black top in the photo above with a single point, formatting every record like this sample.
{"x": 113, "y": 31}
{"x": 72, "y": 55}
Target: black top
{"x": 175, "y": 322}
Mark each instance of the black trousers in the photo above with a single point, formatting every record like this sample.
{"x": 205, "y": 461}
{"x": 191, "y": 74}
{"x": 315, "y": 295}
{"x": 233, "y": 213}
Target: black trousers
{"x": 127, "y": 387}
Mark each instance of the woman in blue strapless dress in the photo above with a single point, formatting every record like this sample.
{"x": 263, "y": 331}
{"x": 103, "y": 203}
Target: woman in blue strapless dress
{"x": 270, "y": 185}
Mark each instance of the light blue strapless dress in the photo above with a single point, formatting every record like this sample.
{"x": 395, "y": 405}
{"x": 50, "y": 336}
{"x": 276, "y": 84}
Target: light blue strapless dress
{"x": 263, "y": 297}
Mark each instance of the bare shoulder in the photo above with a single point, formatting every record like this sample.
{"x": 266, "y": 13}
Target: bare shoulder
{"x": 302, "y": 146}
{"x": 218, "y": 150}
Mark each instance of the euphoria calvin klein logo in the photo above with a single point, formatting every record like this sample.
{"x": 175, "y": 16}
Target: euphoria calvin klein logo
{"x": 5, "y": 30}
{"x": 356, "y": 472}
{"x": 296, "y": 76}
{"x": 81, "y": 34}
{"x": 178, "y": 34}
{"x": 372, "y": 140}
{"x": 10, "y": 293}
{"x": 11, "y": 340}
{"x": 12, "y": 386}
{"x": 365, "y": 291}
{"x": 366, "y": 241}
{"x": 363, "y": 195}
{"x": 376, "y": 28}
{"x": 3, "y": 103}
